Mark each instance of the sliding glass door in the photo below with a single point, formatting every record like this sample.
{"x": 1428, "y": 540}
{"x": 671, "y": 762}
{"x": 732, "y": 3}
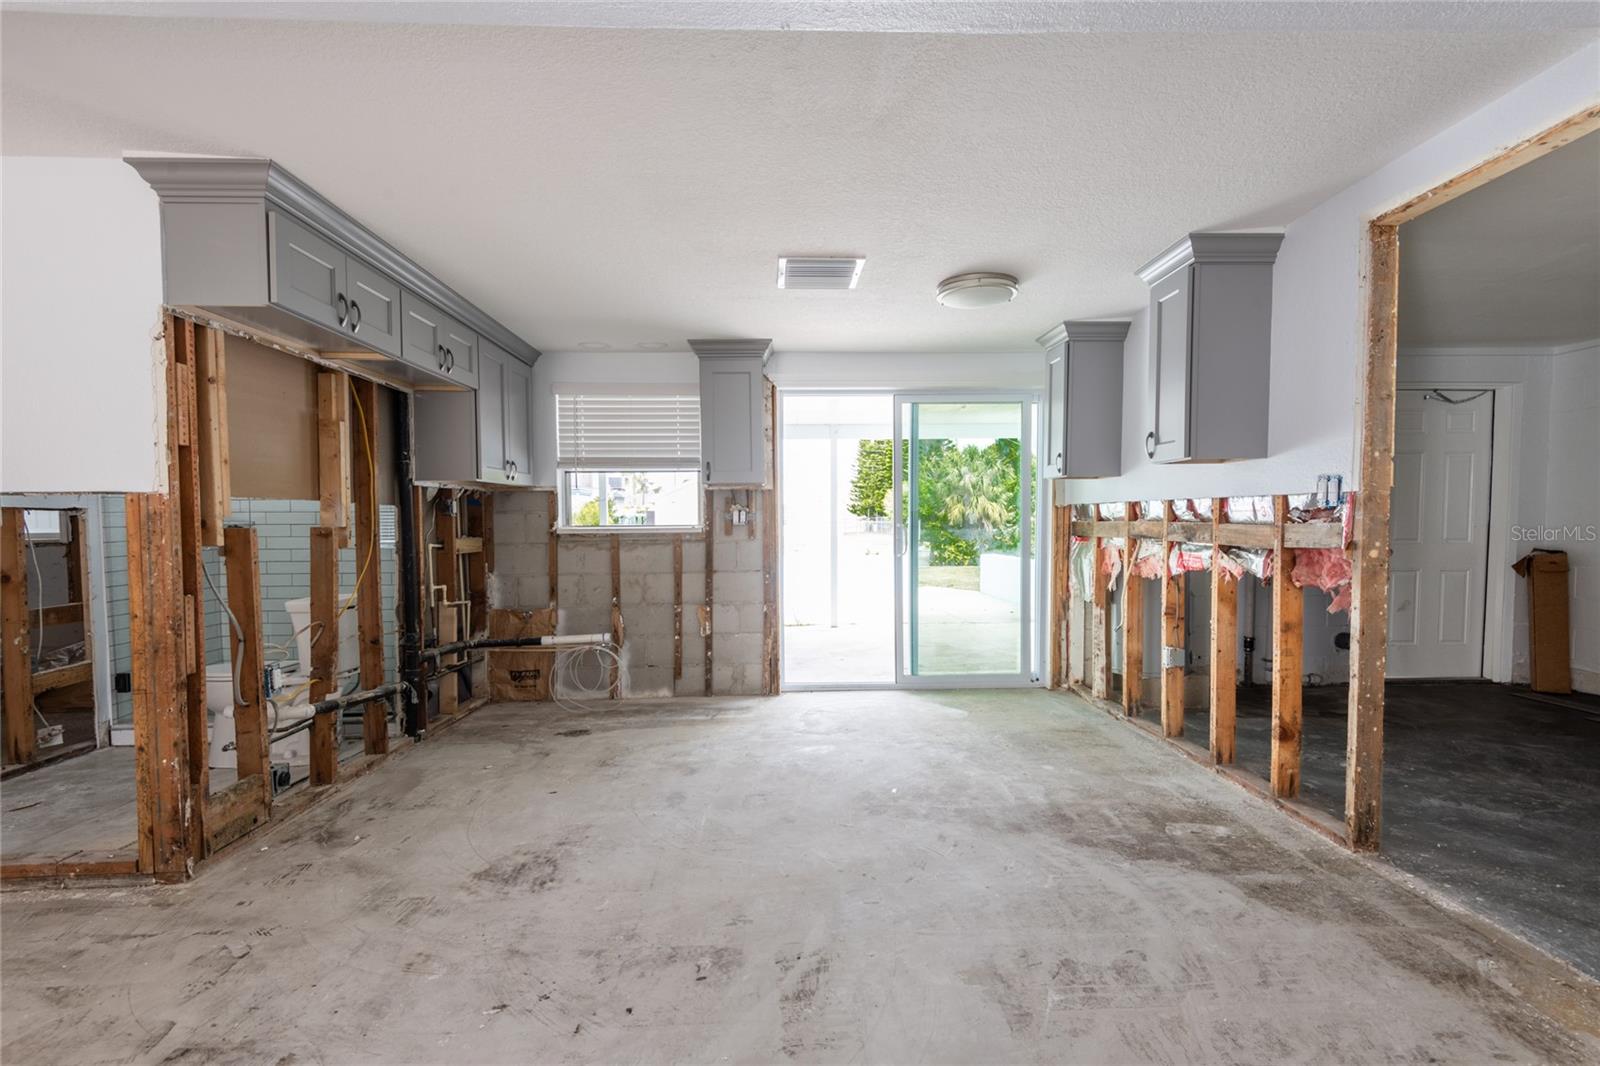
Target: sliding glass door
{"x": 963, "y": 519}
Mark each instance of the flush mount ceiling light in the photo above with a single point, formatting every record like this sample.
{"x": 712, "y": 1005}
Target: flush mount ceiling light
{"x": 798, "y": 272}
{"x": 969, "y": 291}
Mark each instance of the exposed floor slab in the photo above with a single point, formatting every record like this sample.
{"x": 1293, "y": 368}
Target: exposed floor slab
{"x": 890, "y": 876}
{"x": 1489, "y": 795}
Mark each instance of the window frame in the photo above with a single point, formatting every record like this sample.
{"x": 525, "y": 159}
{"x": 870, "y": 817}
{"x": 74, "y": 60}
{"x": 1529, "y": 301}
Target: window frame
{"x": 563, "y": 493}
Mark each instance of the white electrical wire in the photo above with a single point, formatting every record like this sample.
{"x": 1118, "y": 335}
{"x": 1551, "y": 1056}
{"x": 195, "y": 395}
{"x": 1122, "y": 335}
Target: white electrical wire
{"x": 238, "y": 633}
{"x": 566, "y": 664}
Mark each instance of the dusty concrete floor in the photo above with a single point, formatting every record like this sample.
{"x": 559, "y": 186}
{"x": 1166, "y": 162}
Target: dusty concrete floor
{"x": 977, "y": 877}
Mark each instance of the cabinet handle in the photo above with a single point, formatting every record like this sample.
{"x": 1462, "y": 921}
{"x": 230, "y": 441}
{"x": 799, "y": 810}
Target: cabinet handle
{"x": 1150, "y": 444}
{"x": 441, "y": 356}
{"x": 708, "y": 469}
{"x": 450, "y": 361}
{"x": 343, "y": 306}
{"x": 355, "y": 316}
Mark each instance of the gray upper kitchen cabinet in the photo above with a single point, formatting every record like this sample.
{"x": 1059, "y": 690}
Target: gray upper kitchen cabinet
{"x": 483, "y": 435}
{"x": 432, "y": 339}
{"x": 1083, "y": 399}
{"x": 461, "y": 352}
{"x": 374, "y": 307}
{"x": 319, "y": 281}
{"x": 307, "y": 273}
{"x": 518, "y": 408}
{"x": 1210, "y": 348}
{"x": 248, "y": 243}
{"x": 733, "y": 393}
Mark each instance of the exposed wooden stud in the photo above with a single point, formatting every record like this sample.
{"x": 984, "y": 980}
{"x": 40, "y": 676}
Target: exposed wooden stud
{"x": 1224, "y": 650}
{"x": 449, "y": 682}
{"x": 324, "y": 651}
{"x": 333, "y": 450}
{"x": 251, "y": 744}
{"x": 706, "y": 628}
{"x": 1099, "y": 626}
{"x": 211, "y": 440}
{"x": 369, "y": 594}
{"x": 187, "y": 493}
{"x": 1173, "y": 646}
{"x": 1288, "y": 607}
{"x": 164, "y": 800}
{"x": 77, "y": 570}
{"x": 770, "y": 629}
{"x": 233, "y": 812}
{"x": 616, "y": 614}
{"x": 62, "y": 614}
{"x": 60, "y": 677}
{"x": 677, "y": 608}
{"x": 1132, "y": 628}
{"x": 552, "y": 552}
{"x": 1059, "y": 534}
{"x": 16, "y": 665}
{"x": 1072, "y": 613}
{"x": 1369, "y": 593}
{"x": 1524, "y": 152}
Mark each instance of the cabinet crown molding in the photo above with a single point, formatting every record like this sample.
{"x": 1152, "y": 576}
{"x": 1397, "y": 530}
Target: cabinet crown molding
{"x": 1084, "y": 330}
{"x": 730, "y": 349}
{"x": 246, "y": 180}
{"x": 1212, "y": 248}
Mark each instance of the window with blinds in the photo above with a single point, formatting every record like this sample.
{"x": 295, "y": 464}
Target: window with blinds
{"x": 628, "y": 456}
{"x": 639, "y": 429}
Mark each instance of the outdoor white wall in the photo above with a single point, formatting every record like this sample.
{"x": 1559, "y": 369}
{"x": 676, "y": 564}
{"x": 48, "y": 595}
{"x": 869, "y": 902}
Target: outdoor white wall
{"x": 572, "y": 368}
{"x": 80, "y": 252}
{"x": 1319, "y": 309}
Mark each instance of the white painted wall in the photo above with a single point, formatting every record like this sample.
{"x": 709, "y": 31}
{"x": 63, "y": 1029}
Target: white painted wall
{"x": 1319, "y": 310}
{"x": 80, "y": 296}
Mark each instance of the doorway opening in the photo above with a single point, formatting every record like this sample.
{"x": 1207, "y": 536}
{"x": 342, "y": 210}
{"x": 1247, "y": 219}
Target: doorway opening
{"x": 838, "y": 543}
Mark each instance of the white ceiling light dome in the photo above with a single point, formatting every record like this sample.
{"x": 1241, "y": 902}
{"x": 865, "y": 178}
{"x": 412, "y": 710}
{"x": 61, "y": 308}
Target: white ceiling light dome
{"x": 969, "y": 291}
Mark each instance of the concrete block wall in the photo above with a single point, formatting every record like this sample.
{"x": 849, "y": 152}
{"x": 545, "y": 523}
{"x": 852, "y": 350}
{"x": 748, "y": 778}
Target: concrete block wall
{"x": 522, "y": 524}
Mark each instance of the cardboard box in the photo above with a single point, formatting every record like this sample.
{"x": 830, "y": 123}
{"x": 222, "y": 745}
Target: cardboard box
{"x": 1549, "y": 630}
{"x": 516, "y": 675}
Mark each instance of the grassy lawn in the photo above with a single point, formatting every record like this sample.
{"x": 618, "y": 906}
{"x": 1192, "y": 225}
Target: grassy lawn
{"x": 948, "y": 577}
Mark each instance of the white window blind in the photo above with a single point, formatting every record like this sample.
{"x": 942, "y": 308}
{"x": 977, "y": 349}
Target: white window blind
{"x": 634, "y": 427}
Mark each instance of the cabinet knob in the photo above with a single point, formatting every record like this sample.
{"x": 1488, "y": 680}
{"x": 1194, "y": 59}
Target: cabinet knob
{"x": 355, "y": 316}
{"x": 342, "y": 307}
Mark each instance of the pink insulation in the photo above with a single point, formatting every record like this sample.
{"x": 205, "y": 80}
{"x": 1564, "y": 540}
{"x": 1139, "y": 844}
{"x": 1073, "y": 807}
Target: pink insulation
{"x": 1327, "y": 569}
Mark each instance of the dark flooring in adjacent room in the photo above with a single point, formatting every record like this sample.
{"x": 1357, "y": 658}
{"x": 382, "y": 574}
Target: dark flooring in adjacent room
{"x": 1490, "y": 793}
{"x": 978, "y": 876}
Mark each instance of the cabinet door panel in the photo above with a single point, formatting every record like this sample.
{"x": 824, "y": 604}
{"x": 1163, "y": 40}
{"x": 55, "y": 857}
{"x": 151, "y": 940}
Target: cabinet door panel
{"x": 1053, "y": 461}
{"x": 374, "y": 308}
{"x": 518, "y": 420}
{"x": 1169, "y": 408}
{"x": 491, "y": 417}
{"x": 421, "y": 333}
{"x": 730, "y": 421}
{"x": 461, "y": 352}
{"x": 308, "y": 273}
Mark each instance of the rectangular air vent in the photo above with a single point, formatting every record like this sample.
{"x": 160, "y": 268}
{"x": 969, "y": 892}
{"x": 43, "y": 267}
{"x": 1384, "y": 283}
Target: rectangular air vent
{"x": 795, "y": 272}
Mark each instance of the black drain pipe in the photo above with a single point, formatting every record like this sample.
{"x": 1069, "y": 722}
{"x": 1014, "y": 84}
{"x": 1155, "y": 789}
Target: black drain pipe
{"x": 410, "y": 580}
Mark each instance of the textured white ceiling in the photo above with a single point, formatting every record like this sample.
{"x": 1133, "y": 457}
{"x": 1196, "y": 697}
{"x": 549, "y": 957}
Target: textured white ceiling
{"x": 626, "y": 186}
{"x": 1515, "y": 262}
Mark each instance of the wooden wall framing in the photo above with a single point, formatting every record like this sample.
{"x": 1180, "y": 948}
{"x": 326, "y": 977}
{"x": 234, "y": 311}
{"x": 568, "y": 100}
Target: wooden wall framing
{"x": 1368, "y": 547}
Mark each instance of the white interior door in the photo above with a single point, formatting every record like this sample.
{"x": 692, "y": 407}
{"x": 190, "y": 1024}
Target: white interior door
{"x": 1439, "y": 532}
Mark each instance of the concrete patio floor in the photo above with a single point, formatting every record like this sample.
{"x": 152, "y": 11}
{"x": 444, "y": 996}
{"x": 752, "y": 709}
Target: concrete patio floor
{"x": 874, "y": 877}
